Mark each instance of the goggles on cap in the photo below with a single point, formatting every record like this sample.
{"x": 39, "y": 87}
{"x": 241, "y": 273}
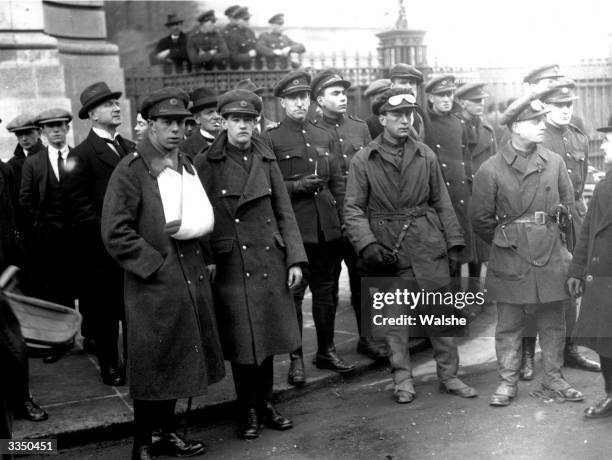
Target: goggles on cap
{"x": 396, "y": 100}
{"x": 537, "y": 105}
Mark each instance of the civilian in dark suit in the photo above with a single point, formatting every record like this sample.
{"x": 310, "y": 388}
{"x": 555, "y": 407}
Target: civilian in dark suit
{"x": 91, "y": 165}
{"x": 204, "y": 110}
{"x": 173, "y": 48}
{"x": 42, "y": 198}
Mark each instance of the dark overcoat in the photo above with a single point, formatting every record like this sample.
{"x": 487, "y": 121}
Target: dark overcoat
{"x": 172, "y": 333}
{"x": 201, "y": 44}
{"x": 446, "y": 136}
{"x": 380, "y": 196}
{"x": 528, "y": 262}
{"x": 240, "y": 40}
{"x": 299, "y": 149}
{"x": 573, "y": 146}
{"x": 89, "y": 168}
{"x": 195, "y": 144}
{"x": 178, "y": 50}
{"x": 593, "y": 264}
{"x": 10, "y": 248}
{"x": 255, "y": 240}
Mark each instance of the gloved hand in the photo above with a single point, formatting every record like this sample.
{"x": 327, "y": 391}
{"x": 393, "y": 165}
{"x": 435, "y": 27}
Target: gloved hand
{"x": 575, "y": 287}
{"x": 308, "y": 184}
{"x": 374, "y": 255}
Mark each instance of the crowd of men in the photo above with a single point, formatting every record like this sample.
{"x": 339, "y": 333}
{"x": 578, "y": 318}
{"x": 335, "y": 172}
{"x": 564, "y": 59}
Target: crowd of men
{"x": 413, "y": 193}
{"x": 235, "y": 45}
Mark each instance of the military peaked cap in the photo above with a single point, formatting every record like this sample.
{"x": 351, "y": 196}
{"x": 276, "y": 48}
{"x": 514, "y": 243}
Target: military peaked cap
{"x": 294, "y": 82}
{"x": 560, "y": 91}
{"x": 325, "y": 79}
{"x": 239, "y": 101}
{"x": 377, "y": 87}
{"x": 471, "y": 91}
{"x": 524, "y": 108}
{"x": 441, "y": 84}
{"x": 166, "y": 102}
{"x": 402, "y": 70}
{"x": 547, "y": 71}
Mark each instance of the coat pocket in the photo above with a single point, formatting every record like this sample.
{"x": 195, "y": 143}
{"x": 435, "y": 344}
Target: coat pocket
{"x": 505, "y": 261}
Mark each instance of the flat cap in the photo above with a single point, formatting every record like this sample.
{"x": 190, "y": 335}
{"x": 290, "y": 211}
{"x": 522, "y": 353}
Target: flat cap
{"x": 277, "y": 19}
{"x": 441, "y": 84}
{"x": 560, "y": 91}
{"x": 377, "y": 87}
{"x": 547, "y": 71}
{"x": 23, "y": 122}
{"x": 166, "y": 102}
{"x": 394, "y": 99}
{"x": 242, "y": 13}
{"x": 325, "y": 79}
{"x": 248, "y": 84}
{"x": 173, "y": 19}
{"x": 239, "y": 101}
{"x": 471, "y": 91}
{"x": 229, "y": 12}
{"x": 94, "y": 95}
{"x": 207, "y": 16}
{"x": 522, "y": 109}
{"x": 203, "y": 98}
{"x": 293, "y": 82}
{"x": 53, "y": 115}
{"x": 402, "y": 70}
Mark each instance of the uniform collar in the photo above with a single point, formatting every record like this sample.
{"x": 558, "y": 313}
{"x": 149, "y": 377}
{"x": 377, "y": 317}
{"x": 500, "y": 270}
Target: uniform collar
{"x": 156, "y": 161}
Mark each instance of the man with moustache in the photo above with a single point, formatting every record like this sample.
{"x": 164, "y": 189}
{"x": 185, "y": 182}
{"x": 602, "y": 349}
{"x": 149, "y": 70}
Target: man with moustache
{"x": 520, "y": 198}
{"x": 315, "y": 184}
{"x": 204, "y": 110}
{"x": 92, "y": 163}
{"x": 43, "y": 197}
{"x": 446, "y": 136}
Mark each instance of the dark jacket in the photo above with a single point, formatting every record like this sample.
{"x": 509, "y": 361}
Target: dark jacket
{"x": 255, "y": 240}
{"x": 200, "y": 45}
{"x": 195, "y": 144}
{"x": 593, "y": 264}
{"x": 299, "y": 149}
{"x": 240, "y": 40}
{"x": 90, "y": 166}
{"x": 172, "y": 334}
{"x": 268, "y": 42}
{"x": 10, "y": 247}
{"x": 380, "y": 196}
{"x": 446, "y": 136}
{"x": 178, "y": 50}
{"x": 528, "y": 262}
{"x": 13, "y": 355}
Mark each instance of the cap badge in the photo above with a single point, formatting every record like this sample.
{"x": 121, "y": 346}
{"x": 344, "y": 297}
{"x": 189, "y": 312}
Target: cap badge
{"x": 537, "y": 105}
{"x": 565, "y": 90}
{"x": 173, "y": 101}
{"x": 296, "y": 82}
{"x": 243, "y": 104}
{"x": 444, "y": 82}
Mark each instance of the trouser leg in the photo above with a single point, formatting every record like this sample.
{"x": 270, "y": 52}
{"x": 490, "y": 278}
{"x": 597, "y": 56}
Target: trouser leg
{"x": 550, "y": 321}
{"x": 508, "y": 337}
{"x": 265, "y": 379}
{"x": 606, "y": 371}
{"x": 447, "y": 358}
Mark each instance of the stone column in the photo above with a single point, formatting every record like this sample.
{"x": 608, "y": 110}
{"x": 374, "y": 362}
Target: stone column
{"x": 79, "y": 27}
{"x": 31, "y": 72}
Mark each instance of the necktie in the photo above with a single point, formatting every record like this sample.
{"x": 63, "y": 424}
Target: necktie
{"x": 61, "y": 165}
{"x": 115, "y": 143}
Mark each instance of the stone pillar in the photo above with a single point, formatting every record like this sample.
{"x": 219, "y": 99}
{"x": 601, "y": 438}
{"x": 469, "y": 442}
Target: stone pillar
{"x": 31, "y": 72}
{"x": 80, "y": 30}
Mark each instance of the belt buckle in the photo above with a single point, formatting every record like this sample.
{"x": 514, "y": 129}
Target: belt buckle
{"x": 540, "y": 217}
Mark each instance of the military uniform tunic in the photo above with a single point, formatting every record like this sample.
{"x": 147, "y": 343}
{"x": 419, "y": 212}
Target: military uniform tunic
{"x": 199, "y": 47}
{"x": 268, "y": 42}
{"x": 240, "y": 40}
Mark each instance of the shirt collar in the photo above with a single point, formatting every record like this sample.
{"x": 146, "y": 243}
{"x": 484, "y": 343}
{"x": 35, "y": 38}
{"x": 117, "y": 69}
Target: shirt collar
{"x": 53, "y": 151}
{"x": 105, "y": 134}
{"x": 206, "y": 135}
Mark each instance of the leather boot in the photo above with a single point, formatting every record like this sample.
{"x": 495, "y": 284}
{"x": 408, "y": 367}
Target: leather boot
{"x": 573, "y": 358}
{"x": 527, "y": 371}
{"x": 372, "y": 348}
{"x": 326, "y": 357}
{"x": 600, "y": 410}
{"x": 249, "y": 427}
{"x": 329, "y": 359}
{"x": 296, "y": 375}
{"x": 273, "y": 419}
{"x": 170, "y": 443}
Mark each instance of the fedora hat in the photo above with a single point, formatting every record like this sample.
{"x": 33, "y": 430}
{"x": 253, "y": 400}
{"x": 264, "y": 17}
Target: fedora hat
{"x": 173, "y": 19}
{"x": 94, "y": 95}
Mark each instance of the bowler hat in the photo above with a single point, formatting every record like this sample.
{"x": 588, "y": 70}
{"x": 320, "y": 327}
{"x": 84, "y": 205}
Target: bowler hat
{"x": 23, "y": 122}
{"x": 248, "y": 84}
{"x": 239, "y": 101}
{"x": 53, "y": 115}
{"x": 94, "y": 95}
{"x": 173, "y": 19}
{"x": 402, "y": 70}
{"x": 203, "y": 98}
{"x": 293, "y": 82}
{"x": 166, "y": 102}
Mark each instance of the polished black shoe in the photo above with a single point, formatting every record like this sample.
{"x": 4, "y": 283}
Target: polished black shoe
{"x": 331, "y": 360}
{"x": 573, "y": 358}
{"x": 112, "y": 376}
{"x": 32, "y": 411}
{"x": 249, "y": 428}
{"x": 142, "y": 453}
{"x": 89, "y": 345}
{"x": 371, "y": 348}
{"x": 170, "y": 443}
{"x": 272, "y": 419}
{"x": 296, "y": 375}
{"x": 600, "y": 410}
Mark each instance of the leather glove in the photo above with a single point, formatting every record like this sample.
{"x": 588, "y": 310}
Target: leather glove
{"x": 574, "y": 287}
{"x": 374, "y": 255}
{"x": 308, "y": 184}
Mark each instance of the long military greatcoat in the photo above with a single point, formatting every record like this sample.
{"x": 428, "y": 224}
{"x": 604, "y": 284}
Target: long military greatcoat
{"x": 593, "y": 263}
{"x": 446, "y": 136}
{"x": 379, "y": 197}
{"x": 173, "y": 341}
{"x": 255, "y": 240}
{"x": 528, "y": 261}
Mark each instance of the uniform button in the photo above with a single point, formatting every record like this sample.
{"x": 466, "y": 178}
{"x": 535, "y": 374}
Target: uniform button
{"x": 307, "y": 144}
{"x": 265, "y": 276}
{"x": 311, "y": 160}
{"x": 237, "y": 220}
{"x": 197, "y": 251}
{"x": 287, "y": 156}
{"x": 565, "y": 139}
{"x": 223, "y": 192}
{"x": 460, "y": 201}
{"x": 595, "y": 259}
{"x": 337, "y": 125}
{"x": 188, "y": 282}
{"x": 201, "y": 277}
{"x": 245, "y": 158}
{"x": 303, "y": 131}
{"x": 326, "y": 154}
{"x": 437, "y": 146}
{"x": 567, "y": 155}
{"x": 269, "y": 190}
{"x": 267, "y": 248}
{"x": 341, "y": 140}
{"x": 463, "y": 182}
{"x": 448, "y": 184}
{"x": 344, "y": 155}
{"x": 462, "y": 163}
{"x": 444, "y": 165}
{"x": 589, "y": 278}
{"x": 182, "y": 255}
{"x": 315, "y": 193}
{"x": 569, "y": 170}
{"x": 268, "y": 221}
{"x": 247, "y": 274}
{"x": 244, "y": 248}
